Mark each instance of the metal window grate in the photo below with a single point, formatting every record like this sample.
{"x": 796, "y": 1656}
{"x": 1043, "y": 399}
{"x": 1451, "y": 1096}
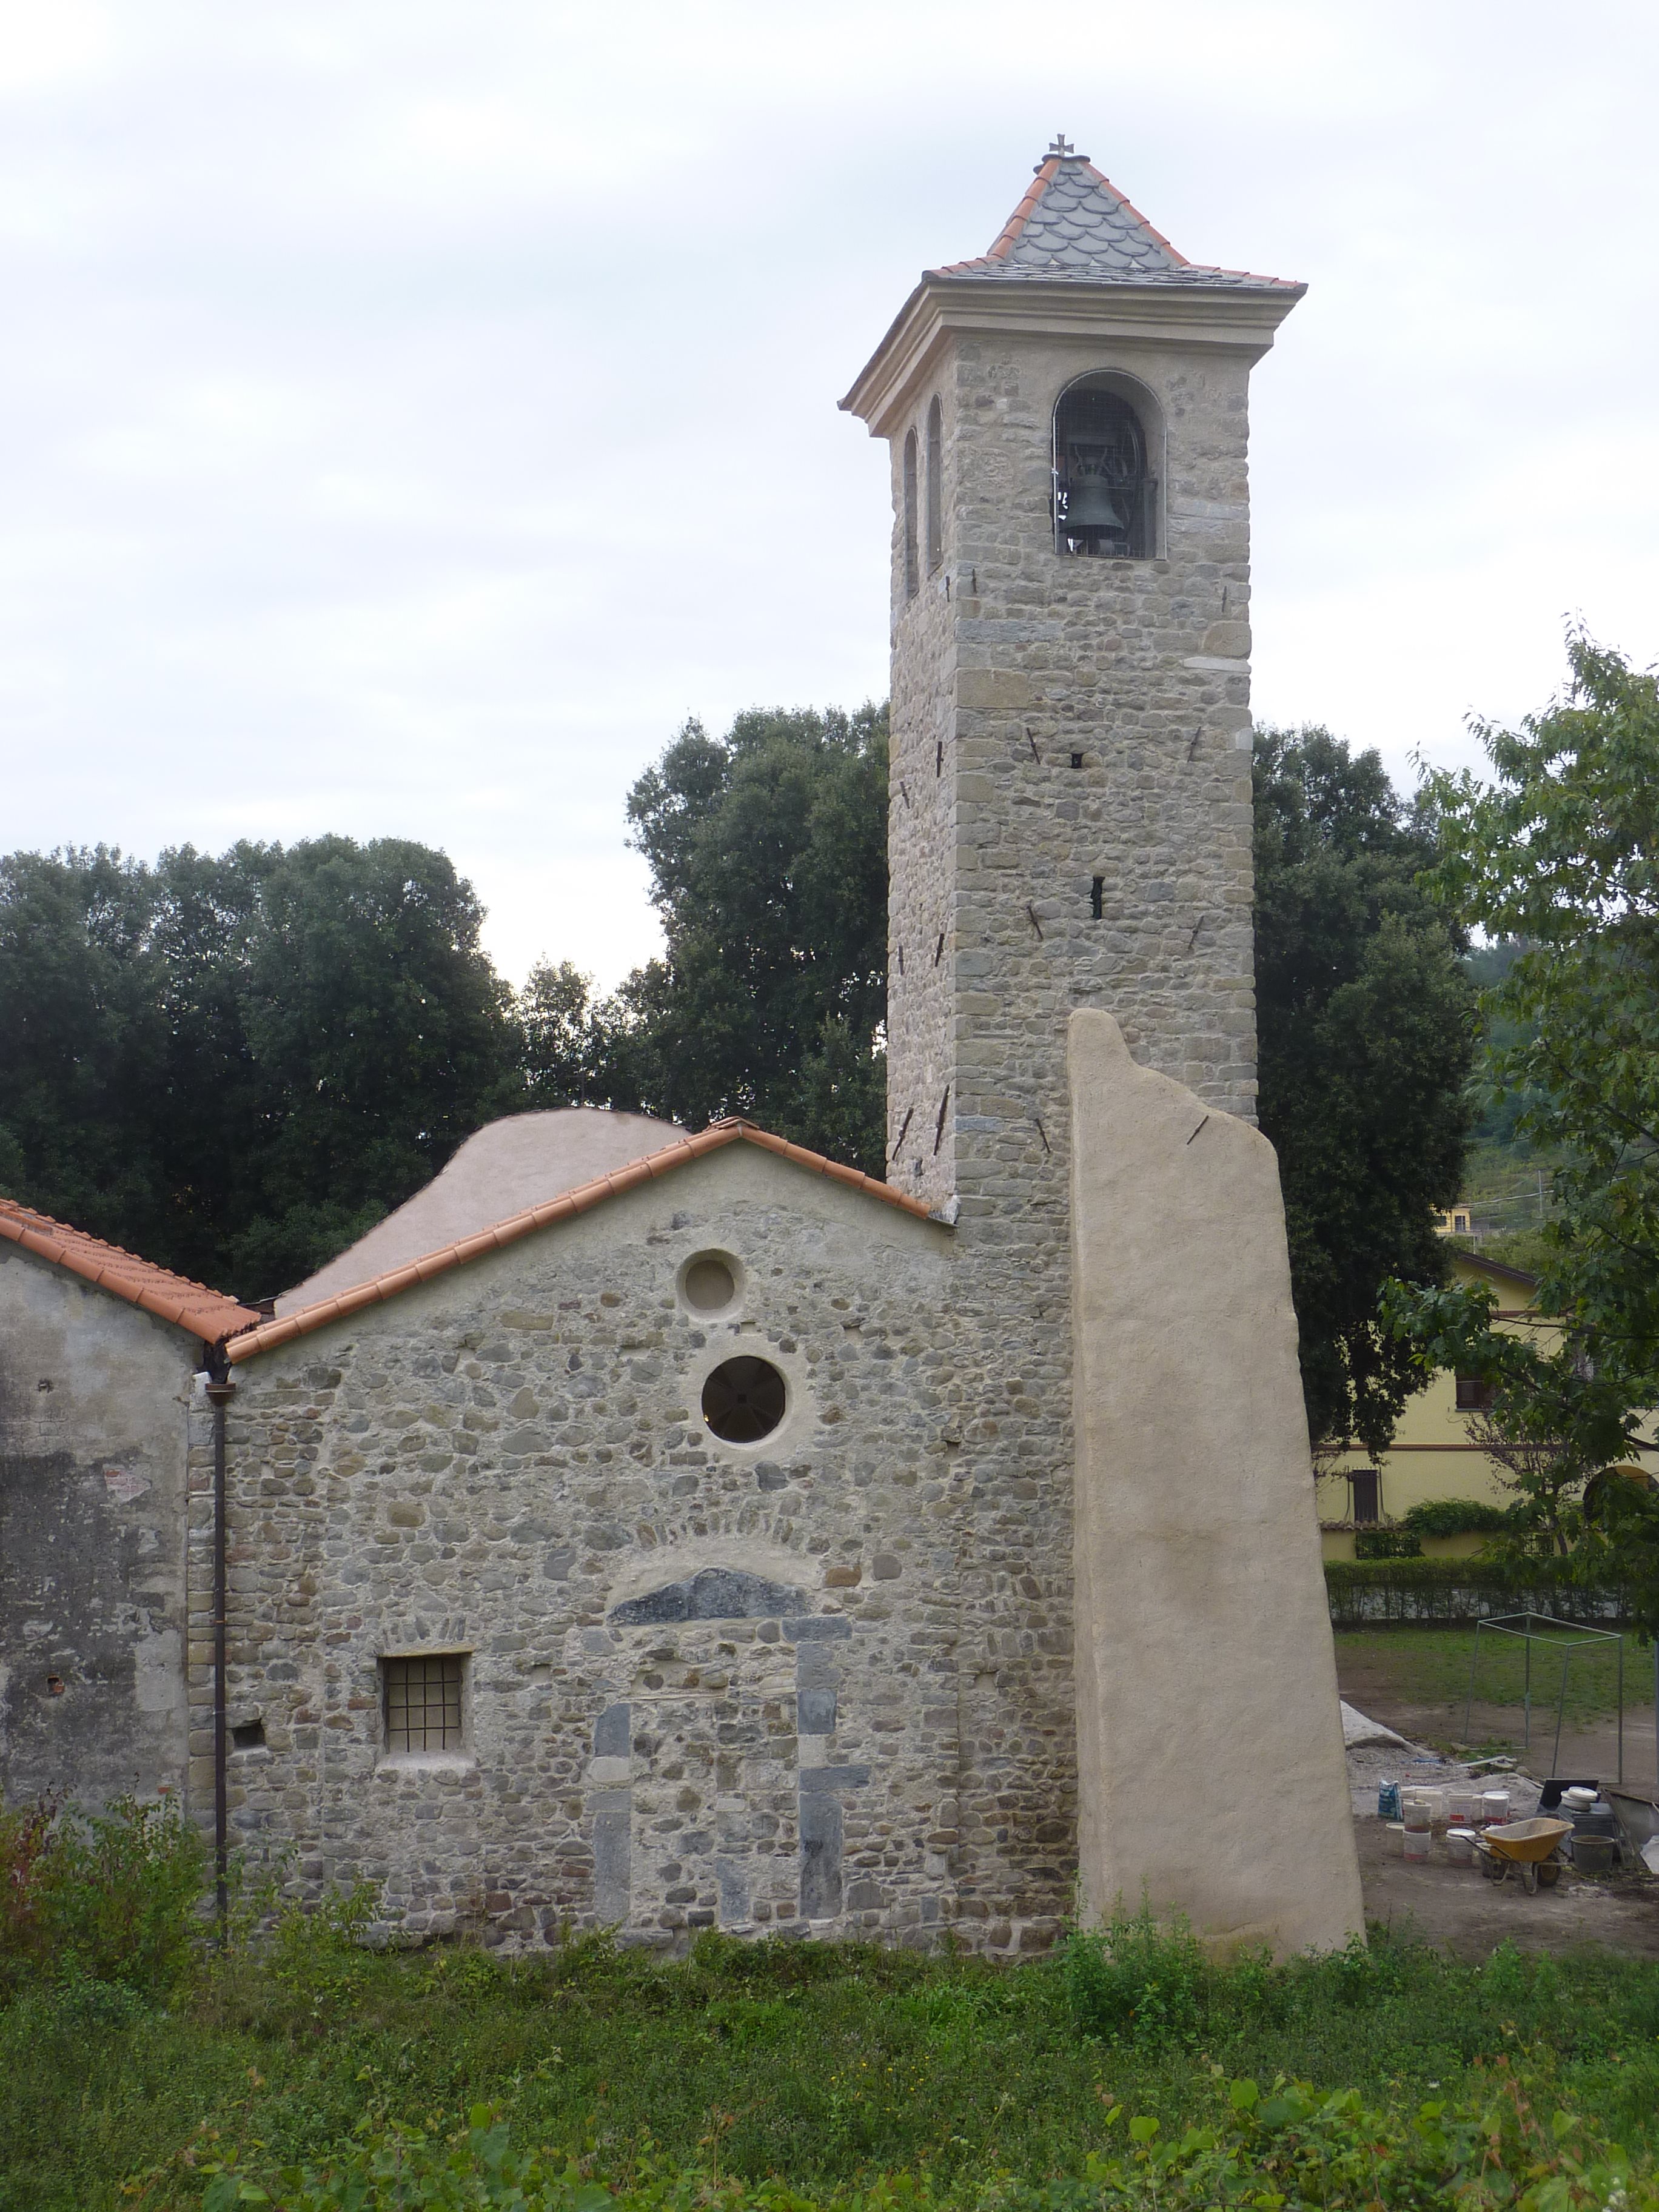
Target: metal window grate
{"x": 423, "y": 1698}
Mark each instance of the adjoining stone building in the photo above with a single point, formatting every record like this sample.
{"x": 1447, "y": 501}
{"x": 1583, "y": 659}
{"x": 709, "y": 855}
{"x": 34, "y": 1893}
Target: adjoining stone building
{"x": 676, "y": 1531}
{"x": 102, "y": 1357}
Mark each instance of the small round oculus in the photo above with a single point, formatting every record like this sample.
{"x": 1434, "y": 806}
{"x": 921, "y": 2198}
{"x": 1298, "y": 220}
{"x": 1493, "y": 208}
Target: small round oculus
{"x": 744, "y": 1401}
{"x": 709, "y": 1282}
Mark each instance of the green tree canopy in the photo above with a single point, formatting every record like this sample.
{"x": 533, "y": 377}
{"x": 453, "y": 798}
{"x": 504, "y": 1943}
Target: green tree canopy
{"x": 1560, "y": 851}
{"x": 1366, "y": 1034}
{"x": 767, "y": 850}
{"x": 235, "y": 1065}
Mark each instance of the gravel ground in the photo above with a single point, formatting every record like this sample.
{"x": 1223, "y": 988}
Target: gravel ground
{"x": 1456, "y": 1905}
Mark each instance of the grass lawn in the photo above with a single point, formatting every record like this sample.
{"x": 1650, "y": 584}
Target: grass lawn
{"x": 824, "y": 2065}
{"x": 1431, "y": 1667}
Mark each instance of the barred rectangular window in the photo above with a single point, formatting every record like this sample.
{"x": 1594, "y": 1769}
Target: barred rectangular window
{"x": 421, "y": 1701}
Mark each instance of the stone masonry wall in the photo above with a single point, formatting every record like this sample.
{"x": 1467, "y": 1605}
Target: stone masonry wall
{"x": 1034, "y": 659}
{"x": 922, "y": 929}
{"x": 95, "y": 1400}
{"x": 823, "y": 1680}
{"x": 1006, "y": 666}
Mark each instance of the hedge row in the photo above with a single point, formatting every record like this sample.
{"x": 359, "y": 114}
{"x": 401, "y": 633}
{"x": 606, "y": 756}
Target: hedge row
{"x": 1363, "y": 1592}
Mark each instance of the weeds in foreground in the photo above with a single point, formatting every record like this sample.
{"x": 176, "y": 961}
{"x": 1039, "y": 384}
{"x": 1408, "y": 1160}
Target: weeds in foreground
{"x": 106, "y": 1898}
{"x": 793, "y": 2073}
{"x": 1293, "y": 2147}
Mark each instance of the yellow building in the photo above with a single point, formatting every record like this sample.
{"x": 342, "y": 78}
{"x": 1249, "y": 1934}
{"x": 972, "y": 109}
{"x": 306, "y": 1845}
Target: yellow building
{"x": 1432, "y": 1455}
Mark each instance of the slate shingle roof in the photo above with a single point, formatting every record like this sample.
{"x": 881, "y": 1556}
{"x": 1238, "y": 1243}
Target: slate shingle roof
{"x": 207, "y": 1313}
{"x": 1074, "y": 226}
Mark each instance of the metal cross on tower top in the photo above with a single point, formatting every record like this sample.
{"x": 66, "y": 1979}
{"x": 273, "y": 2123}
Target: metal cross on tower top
{"x": 1063, "y": 146}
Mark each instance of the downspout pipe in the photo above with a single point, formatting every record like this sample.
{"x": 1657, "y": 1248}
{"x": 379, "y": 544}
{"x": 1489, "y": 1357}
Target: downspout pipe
{"x": 220, "y": 1394}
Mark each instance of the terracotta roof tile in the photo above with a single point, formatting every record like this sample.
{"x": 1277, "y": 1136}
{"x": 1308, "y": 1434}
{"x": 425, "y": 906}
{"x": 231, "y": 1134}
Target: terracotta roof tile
{"x": 207, "y": 1313}
{"x": 565, "y": 1207}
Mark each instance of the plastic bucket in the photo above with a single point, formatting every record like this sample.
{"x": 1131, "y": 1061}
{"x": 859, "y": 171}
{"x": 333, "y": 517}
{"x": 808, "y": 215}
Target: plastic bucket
{"x": 1417, "y": 1843}
{"x": 1494, "y": 1807}
{"x": 1459, "y": 1846}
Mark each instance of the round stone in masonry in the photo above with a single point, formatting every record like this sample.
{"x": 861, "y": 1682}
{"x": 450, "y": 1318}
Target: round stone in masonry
{"x": 744, "y": 1401}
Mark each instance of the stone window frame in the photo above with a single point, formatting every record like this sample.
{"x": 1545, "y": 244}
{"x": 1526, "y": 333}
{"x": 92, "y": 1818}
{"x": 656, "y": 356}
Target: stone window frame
{"x": 450, "y": 1758}
{"x": 1155, "y": 435}
{"x": 935, "y": 486}
{"x": 742, "y": 1341}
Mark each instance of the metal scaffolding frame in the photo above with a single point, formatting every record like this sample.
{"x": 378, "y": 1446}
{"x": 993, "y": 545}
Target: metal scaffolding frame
{"x": 1535, "y": 1628}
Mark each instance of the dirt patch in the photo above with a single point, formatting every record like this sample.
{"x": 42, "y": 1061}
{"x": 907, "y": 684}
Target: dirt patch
{"x": 1458, "y": 1907}
{"x": 1369, "y": 1678}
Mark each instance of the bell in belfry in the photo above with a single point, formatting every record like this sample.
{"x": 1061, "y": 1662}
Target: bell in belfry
{"x": 1089, "y": 502}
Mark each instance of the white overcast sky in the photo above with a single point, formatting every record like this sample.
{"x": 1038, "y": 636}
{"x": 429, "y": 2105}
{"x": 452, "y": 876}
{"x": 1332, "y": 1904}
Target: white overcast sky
{"x": 411, "y": 410}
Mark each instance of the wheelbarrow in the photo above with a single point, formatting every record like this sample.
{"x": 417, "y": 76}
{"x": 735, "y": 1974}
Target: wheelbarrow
{"x": 1528, "y": 1849}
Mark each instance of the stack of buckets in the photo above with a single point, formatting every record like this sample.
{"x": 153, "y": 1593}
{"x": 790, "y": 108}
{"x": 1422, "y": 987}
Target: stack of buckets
{"x": 1453, "y": 1813}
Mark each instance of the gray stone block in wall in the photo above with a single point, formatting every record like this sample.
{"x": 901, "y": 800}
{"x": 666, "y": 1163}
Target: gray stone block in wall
{"x": 716, "y": 1594}
{"x": 613, "y": 1853}
{"x": 815, "y": 1713}
{"x": 610, "y": 1733}
{"x": 735, "y": 1877}
{"x": 820, "y": 1858}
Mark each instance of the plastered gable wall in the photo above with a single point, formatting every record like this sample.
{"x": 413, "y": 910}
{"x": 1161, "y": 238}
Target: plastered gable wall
{"x": 824, "y": 1679}
{"x": 96, "y": 1415}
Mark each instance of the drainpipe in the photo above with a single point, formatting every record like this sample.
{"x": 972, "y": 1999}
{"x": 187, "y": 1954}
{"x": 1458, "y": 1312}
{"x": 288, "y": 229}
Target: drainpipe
{"x": 220, "y": 1394}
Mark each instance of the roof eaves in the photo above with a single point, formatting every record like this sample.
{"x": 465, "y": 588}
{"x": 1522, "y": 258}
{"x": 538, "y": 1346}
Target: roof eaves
{"x": 1497, "y": 1268}
{"x": 204, "y": 1313}
{"x": 269, "y": 1334}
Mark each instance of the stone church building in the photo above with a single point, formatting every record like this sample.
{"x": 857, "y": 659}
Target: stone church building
{"x": 674, "y": 1530}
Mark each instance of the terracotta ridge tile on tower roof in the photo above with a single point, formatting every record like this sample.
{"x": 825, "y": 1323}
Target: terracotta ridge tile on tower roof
{"x": 209, "y": 1314}
{"x": 733, "y": 1130}
{"x": 1011, "y": 230}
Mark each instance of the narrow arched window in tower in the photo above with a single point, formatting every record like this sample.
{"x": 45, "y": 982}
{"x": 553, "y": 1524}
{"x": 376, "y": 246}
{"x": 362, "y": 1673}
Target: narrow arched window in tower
{"x": 935, "y": 487}
{"x": 1105, "y": 494}
{"x": 910, "y": 576}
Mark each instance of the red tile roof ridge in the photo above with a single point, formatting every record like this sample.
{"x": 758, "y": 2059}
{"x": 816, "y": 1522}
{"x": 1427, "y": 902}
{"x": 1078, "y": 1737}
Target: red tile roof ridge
{"x": 209, "y": 1314}
{"x": 1003, "y": 245}
{"x": 730, "y": 1130}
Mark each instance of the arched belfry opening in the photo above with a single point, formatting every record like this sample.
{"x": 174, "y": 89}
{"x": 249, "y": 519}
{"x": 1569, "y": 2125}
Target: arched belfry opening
{"x": 935, "y": 487}
{"x": 1105, "y": 485}
{"x": 912, "y": 576}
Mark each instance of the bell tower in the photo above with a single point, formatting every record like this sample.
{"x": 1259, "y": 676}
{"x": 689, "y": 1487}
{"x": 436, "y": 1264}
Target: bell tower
{"x": 1070, "y": 822}
{"x": 1119, "y": 1491}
